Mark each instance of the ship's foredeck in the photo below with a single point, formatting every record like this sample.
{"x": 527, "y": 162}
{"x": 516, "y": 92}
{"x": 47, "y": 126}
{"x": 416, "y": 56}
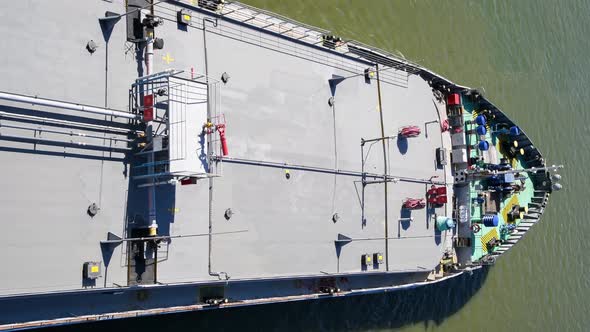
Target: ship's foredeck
{"x": 276, "y": 107}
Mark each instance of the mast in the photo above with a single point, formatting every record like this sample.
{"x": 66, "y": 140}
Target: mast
{"x": 384, "y": 144}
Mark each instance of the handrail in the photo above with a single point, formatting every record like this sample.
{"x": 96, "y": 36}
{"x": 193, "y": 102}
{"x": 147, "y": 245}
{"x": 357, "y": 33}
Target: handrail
{"x": 65, "y": 105}
{"x": 232, "y": 4}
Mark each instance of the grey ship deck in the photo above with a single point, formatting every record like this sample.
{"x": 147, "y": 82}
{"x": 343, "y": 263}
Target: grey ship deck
{"x": 293, "y": 178}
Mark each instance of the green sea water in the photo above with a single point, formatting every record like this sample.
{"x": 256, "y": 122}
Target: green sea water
{"x": 532, "y": 58}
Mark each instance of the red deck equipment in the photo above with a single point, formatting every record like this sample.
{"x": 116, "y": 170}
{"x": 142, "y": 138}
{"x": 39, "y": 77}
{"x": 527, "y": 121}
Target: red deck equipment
{"x": 454, "y": 99}
{"x": 221, "y": 130}
{"x": 148, "y": 108}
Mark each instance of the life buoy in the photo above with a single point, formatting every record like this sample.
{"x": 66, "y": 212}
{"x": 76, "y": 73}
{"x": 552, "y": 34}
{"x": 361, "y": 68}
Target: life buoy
{"x": 475, "y": 228}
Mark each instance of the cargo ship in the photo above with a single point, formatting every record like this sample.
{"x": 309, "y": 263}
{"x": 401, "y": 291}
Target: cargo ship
{"x": 175, "y": 156}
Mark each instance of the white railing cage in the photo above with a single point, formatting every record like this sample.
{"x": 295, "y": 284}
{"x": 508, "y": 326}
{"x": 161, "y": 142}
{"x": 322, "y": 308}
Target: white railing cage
{"x": 181, "y": 109}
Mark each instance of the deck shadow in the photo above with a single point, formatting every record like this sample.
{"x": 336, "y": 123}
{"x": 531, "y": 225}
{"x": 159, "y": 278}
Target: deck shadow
{"x": 405, "y": 215}
{"x": 430, "y": 305}
{"x": 402, "y": 145}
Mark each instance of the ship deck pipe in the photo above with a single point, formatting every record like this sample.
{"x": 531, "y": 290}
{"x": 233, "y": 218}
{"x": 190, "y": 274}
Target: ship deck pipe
{"x": 72, "y": 144}
{"x": 152, "y": 77}
{"x": 65, "y": 105}
{"x": 153, "y": 224}
{"x": 382, "y": 177}
{"x": 71, "y": 133}
{"x": 151, "y": 192}
{"x": 44, "y": 120}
